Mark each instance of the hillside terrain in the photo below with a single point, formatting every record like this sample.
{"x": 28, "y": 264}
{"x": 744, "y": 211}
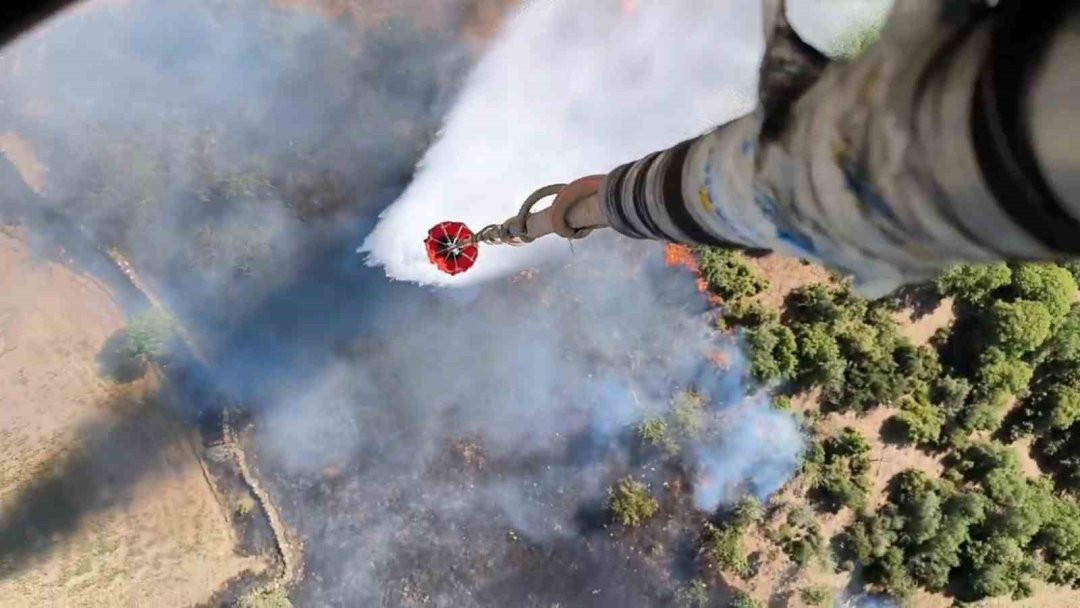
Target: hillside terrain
{"x": 888, "y": 443}
{"x": 103, "y": 498}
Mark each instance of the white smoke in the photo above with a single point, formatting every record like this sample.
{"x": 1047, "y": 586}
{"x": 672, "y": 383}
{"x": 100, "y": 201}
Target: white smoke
{"x": 575, "y": 88}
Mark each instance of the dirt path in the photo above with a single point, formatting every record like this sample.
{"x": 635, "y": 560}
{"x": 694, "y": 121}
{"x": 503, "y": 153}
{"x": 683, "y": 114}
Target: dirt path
{"x": 102, "y": 498}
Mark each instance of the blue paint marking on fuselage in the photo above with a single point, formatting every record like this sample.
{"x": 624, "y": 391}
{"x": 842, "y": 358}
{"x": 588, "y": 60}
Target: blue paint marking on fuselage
{"x": 717, "y": 206}
{"x": 864, "y": 191}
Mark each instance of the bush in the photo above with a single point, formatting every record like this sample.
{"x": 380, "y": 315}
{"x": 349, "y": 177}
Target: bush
{"x": 1019, "y": 327}
{"x": 1000, "y": 374}
{"x": 855, "y": 41}
{"x": 694, "y": 595}
{"x": 800, "y": 537}
{"x": 973, "y": 284}
{"x": 1048, "y": 284}
{"x": 655, "y": 433}
{"x": 150, "y": 333}
{"x": 722, "y": 547}
{"x": 820, "y": 362}
{"x": 727, "y": 275}
{"x": 741, "y": 599}
{"x": 921, "y": 421}
{"x": 818, "y": 595}
{"x": 688, "y": 411}
{"x": 244, "y": 507}
{"x": 265, "y": 598}
{"x": 839, "y": 468}
{"x": 772, "y": 352}
{"x": 1058, "y": 406}
{"x": 815, "y": 303}
{"x": 631, "y": 503}
{"x": 746, "y": 512}
{"x": 745, "y": 313}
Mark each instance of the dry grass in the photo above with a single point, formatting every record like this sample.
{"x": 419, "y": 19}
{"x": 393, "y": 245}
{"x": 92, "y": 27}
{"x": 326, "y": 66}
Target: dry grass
{"x": 106, "y": 472}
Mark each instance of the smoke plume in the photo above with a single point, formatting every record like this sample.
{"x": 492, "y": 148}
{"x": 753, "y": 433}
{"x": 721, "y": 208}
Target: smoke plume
{"x": 450, "y": 447}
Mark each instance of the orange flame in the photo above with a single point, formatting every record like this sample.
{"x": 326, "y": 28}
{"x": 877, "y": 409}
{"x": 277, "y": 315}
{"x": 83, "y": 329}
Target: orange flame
{"x": 720, "y": 359}
{"x": 680, "y": 256}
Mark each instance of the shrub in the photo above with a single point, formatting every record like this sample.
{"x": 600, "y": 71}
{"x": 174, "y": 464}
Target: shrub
{"x": 800, "y": 537}
{"x": 746, "y": 512}
{"x": 1001, "y": 374}
{"x": 1019, "y": 327}
{"x": 815, "y": 303}
{"x": 728, "y": 275}
{"x": 820, "y": 362}
{"x": 817, "y": 595}
{"x": 149, "y": 334}
{"x": 631, "y": 503}
{"x": 840, "y": 467}
{"x": 694, "y": 595}
{"x": 855, "y": 41}
{"x": 244, "y": 507}
{"x": 741, "y": 599}
{"x": 655, "y": 433}
{"x": 745, "y": 313}
{"x": 973, "y": 284}
{"x": 772, "y": 351}
{"x": 1048, "y": 284}
{"x": 688, "y": 410}
{"x": 265, "y": 598}
{"x": 722, "y": 546}
{"x": 921, "y": 421}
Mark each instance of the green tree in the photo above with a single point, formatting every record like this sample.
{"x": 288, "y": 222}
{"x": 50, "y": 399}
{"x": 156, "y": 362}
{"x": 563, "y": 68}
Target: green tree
{"x": 1060, "y": 541}
{"x": 150, "y": 333}
{"x": 746, "y": 512}
{"x": 1019, "y": 327}
{"x": 838, "y": 469}
{"x": 800, "y": 537}
{"x": 772, "y": 350}
{"x": 921, "y": 421}
{"x": 727, "y": 274}
{"x": 631, "y": 503}
{"x": 722, "y": 547}
{"x": 687, "y": 413}
{"x": 998, "y": 566}
{"x": 1059, "y": 406}
{"x": 973, "y": 284}
{"x": 747, "y": 313}
{"x": 654, "y": 432}
{"x": 1048, "y": 284}
{"x": 1001, "y": 374}
{"x": 820, "y": 362}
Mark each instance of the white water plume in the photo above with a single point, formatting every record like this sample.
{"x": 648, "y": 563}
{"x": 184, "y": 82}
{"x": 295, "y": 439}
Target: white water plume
{"x": 574, "y": 88}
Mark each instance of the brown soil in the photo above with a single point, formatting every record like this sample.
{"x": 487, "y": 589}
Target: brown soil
{"x": 785, "y": 274}
{"x": 105, "y": 473}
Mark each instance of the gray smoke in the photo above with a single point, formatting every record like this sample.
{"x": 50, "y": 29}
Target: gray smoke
{"x": 441, "y": 446}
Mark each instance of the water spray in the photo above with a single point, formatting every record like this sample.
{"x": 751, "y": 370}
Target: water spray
{"x": 950, "y": 140}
